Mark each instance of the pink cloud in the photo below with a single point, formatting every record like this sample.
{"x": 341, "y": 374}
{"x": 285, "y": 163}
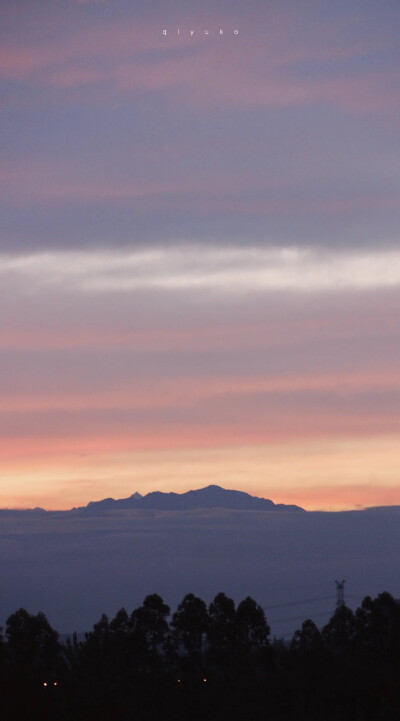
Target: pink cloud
{"x": 164, "y": 393}
{"x": 338, "y": 318}
{"x": 258, "y": 67}
{"x": 81, "y": 439}
{"x": 220, "y": 416}
{"x": 29, "y": 182}
{"x": 261, "y": 335}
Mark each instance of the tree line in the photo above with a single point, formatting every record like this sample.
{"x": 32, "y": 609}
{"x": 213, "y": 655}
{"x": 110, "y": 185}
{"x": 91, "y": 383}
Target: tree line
{"x": 204, "y": 663}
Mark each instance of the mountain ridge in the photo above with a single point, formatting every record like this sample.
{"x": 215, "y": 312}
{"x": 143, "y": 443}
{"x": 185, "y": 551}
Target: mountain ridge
{"x": 211, "y": 496}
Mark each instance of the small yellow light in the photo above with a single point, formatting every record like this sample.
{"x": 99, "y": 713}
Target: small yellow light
{"x": 179, "y": 680}
{"x": 205, "y": 680}
{"x": 55, "y": 683}
{"x": 45, "y": 683}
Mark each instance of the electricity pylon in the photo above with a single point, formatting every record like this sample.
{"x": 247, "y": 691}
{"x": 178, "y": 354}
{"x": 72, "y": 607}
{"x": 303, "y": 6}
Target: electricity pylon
{"x": 340, "y": 593}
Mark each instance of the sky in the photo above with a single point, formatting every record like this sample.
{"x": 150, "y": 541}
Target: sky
{"x": 199, "y": 253}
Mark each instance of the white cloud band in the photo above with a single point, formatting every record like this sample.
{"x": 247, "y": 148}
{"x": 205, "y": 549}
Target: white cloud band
{"x": 229, "y": 270}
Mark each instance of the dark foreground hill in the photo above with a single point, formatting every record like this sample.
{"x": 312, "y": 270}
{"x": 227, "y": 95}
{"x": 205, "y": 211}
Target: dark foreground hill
{"x": 209, "y": 497}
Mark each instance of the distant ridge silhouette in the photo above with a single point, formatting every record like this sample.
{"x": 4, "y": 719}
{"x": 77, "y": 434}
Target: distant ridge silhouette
{"x": 209, "y": 497}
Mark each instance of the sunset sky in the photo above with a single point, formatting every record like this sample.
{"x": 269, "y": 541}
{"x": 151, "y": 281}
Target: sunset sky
{"x": 200, "y": 250}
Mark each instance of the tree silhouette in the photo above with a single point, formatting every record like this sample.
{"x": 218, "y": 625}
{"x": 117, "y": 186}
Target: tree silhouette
{"x": 223, "y": 667}
{"x": 33, "y": 666}
{"x": 339, "y": 633}
{"x": 32, "y": 645}
{"x": 149, "y": 622}
{"x": 307, "y": 640}
{"x": 251, "y": 624}
{"x": 222, "y": 627}
{"x": 190, "y": 623}
{"x": 378, "y": 626}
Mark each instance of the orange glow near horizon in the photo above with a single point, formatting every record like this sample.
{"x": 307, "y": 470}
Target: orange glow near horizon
{"x": 315, "y": 474}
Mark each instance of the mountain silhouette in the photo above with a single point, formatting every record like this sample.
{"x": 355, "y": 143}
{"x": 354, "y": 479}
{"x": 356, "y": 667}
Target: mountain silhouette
{"x": 209, "y": 497}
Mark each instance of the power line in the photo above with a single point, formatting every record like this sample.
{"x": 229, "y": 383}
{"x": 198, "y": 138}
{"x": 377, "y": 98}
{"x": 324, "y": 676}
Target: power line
{"x": 301, "y": 618}
{"x": 299, "y": 603}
